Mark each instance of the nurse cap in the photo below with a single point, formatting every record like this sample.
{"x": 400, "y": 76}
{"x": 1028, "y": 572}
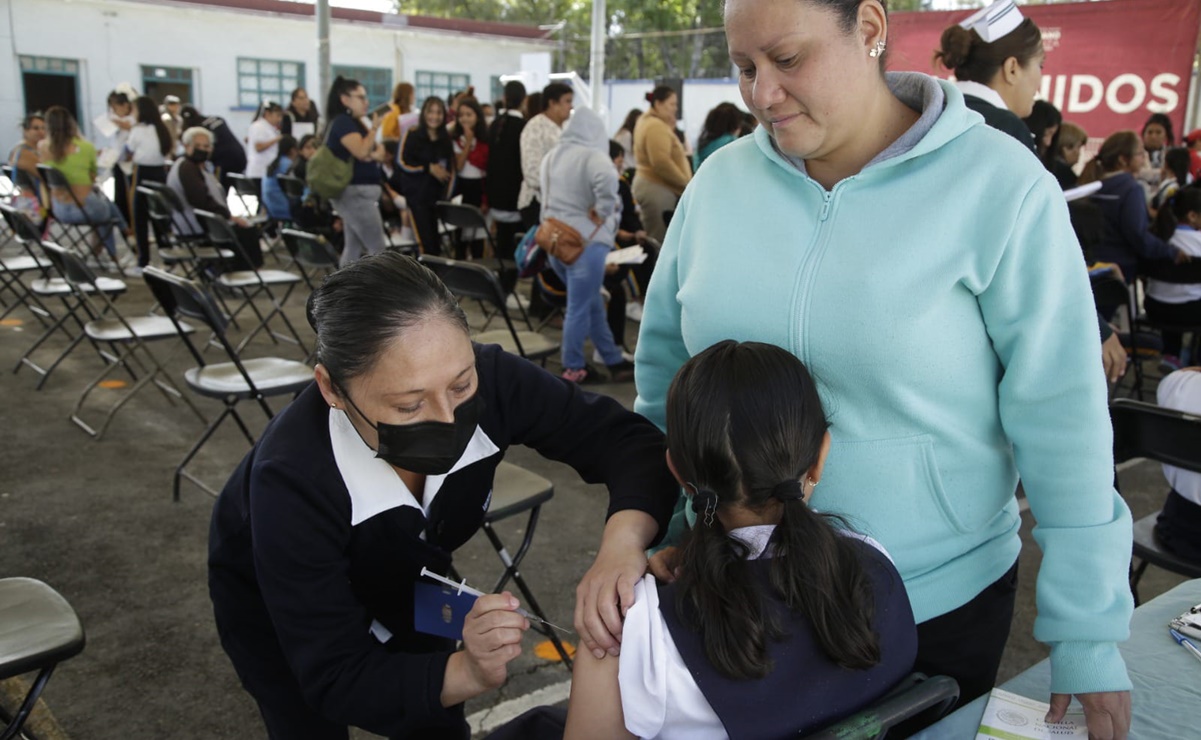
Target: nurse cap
{"x": 995, "y": 21}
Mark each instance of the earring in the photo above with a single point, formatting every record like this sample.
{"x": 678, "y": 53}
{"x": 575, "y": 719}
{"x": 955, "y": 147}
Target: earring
{"x": 333, "y": 405}
{"x": 877, "y": 50}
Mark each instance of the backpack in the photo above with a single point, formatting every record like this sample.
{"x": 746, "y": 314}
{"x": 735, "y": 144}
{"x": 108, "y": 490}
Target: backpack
{"x": 530, "y": 257}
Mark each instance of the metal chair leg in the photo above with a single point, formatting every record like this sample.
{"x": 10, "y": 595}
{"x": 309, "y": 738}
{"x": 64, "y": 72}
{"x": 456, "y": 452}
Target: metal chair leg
{"x": 13, "y": 730}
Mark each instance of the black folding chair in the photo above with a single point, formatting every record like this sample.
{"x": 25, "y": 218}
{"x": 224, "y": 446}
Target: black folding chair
{"x": 515, "y": 491}
{"x": 246, "y": 187}
{"x": 1166, "y": 436}
{"x": 467, "y": 223}
{"x": 312, "y": 255}
{"x": 916, "y": 702}
{"x": 109, "y": 327}
{"x": 77, "y": 234}
{"x": 177, "y": 245}
{"x": 14, "y": 269}
{"x": 474, "y": 281}
{"x": 231, "y": 382}
{"x": 38, "y": 630}
{"x": 252, "y": 283}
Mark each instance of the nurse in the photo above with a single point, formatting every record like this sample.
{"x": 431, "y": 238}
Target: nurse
{"x": 384, "y": 466}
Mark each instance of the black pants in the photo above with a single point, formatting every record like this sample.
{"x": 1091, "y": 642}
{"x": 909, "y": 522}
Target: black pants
{"x": 966, "y": 644}
{"x": 1173, "y": 313}
{"x": 141, "y": 212}
{"x": 425, "y": 226}
{"x": 121, "y": 194}
{"x": 1178, "y": 527}
{"x": 506, "y": 239}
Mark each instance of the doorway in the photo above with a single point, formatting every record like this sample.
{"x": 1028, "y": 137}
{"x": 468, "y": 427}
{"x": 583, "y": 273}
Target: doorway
{"x": 159, "y": 82}
{"x": 48, "y": 81}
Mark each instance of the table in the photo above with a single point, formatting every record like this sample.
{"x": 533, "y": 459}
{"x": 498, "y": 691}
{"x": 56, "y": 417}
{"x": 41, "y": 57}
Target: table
{"x": 1167, "y": 680}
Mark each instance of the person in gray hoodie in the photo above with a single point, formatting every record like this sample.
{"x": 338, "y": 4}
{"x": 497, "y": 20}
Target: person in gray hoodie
{"x": 579, "y": 187}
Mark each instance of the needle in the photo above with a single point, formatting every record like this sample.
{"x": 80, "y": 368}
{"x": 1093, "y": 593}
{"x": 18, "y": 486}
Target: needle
{"x": 463, "y": 588}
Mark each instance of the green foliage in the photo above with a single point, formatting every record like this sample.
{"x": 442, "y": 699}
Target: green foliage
{"x": 647, "y": 39}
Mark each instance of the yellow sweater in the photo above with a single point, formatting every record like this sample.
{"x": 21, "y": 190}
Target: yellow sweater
{"x": 660, "y": 154}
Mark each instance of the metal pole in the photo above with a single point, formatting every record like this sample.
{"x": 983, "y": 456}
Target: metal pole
{"x": 596, "y": 70}
{"x": 323, "y": 76}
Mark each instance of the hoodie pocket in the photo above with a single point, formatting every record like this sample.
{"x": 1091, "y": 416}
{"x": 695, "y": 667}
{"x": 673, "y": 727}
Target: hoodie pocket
{"x": 891, "y": 490}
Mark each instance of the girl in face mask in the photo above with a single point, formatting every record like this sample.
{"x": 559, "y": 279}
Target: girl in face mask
{"x": 385, "y": 466}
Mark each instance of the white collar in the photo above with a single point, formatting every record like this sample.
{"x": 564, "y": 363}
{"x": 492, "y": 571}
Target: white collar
{"x": 984, "y": 92}
{"x": 754, "y": 537}
{"x": 373, "y": 485}
{"x": 514, "y": 112}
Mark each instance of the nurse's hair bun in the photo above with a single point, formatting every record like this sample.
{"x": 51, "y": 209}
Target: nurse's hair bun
{"x": 955, "y": 47}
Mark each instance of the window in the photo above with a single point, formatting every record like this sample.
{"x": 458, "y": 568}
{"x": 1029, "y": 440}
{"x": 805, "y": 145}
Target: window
{"x": 48, "y": 81}
{"x": 498, "y": 90}
{"x": 442, "y": 84}
{"x": 375, "y": 80}
{"x": 267, "y": 79}
{"x": 159, "y": 82}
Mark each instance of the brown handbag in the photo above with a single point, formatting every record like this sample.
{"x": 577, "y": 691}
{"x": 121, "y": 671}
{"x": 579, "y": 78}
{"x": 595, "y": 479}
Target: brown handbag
{"x": 559, "y": 240}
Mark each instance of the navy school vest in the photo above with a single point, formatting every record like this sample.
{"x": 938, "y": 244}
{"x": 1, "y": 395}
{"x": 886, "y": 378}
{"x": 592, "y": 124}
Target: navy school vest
{"x": 805, "y": 690}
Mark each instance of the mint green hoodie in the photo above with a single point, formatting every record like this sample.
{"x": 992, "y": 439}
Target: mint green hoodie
{"x": 940, "y": 299}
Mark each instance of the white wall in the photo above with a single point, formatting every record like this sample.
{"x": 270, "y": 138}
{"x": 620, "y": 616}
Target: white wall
{"x": 700, "y": 97}
{"x": 114, "y": 38}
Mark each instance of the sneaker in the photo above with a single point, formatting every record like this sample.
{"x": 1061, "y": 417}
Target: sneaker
{"x": 514, "y": 302}
{"x": 622, "y": 372}
{"x": 135, "y": 271}
{"x": 596, "y": 357}
{"x": 1170, "y": 364}
{"x": 634, "y": 311}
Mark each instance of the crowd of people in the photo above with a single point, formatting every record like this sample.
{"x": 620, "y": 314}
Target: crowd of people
{"x": 762, "y": 374}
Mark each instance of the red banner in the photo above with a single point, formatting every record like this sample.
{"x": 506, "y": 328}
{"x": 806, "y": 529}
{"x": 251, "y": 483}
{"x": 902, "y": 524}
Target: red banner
{"x": 1109, "y": 64}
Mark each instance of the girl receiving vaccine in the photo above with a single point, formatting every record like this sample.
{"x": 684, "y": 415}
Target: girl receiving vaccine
{"x": 779, "y": 619}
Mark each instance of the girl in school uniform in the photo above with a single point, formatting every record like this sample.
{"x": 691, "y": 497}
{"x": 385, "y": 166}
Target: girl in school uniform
{"x": 427, "y": 165}
{"x": 149, "y": 143}
{"x": 780, "y": 620}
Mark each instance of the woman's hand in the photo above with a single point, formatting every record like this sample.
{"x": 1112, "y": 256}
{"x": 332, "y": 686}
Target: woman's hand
{"x": 1107, "y": 713}
{"x": 492, "y": 635}
{"x": 595, "y": 217}
{"x": 607, "y": 590}
{"x": 665, "y": 564}
{"x": 121, "y": 123}
{"x": 1113, "y": 357}
{"x": 440, "y": 173}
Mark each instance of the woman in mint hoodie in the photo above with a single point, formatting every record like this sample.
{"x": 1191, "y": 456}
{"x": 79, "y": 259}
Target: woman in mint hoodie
{"x": 949, "y": 324}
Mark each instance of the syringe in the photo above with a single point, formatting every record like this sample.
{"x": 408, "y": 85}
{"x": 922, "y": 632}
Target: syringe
{"x": 463, "y": 588}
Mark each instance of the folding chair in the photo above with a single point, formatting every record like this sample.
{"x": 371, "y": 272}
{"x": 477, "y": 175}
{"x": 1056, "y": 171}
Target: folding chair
{"x": 467, "y": 222}
{"x": 232, "y": 382}
{"x": 246, "y": 187}
{"x": 13, "y": 269}
{"x": 312, "y": 254}
{"x": 111, "y": 328}
{"x": 177, "y": 247}
{"x": 515, "y": 491}
{"x": 474, "y": 281}
{"x": 77, "y": 234}
{"x": 38, "y": 630}
{"x": 917, "y": 701}
{"x": 252, "y": 283}
{"x": 1166, "y": 436}
{"x": 48, "y": 287}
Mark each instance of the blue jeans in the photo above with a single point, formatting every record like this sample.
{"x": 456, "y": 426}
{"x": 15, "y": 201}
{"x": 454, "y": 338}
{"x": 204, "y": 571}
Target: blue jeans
{"x": 586, "y": 308}
{"x": 98, "y": 210}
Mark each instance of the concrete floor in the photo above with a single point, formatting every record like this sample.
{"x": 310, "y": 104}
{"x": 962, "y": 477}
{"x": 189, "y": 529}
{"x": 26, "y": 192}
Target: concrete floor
{"x": 96, "y": 521}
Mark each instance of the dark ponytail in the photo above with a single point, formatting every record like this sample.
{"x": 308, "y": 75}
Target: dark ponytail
{"x": 287, "y": 144}
{"x": 1175, "y": 210}
{"x": 147, "y": 112}
{"x": 333, "y": 103}
{"x": 744, "y": 426}
{"x": 659, "y": 94}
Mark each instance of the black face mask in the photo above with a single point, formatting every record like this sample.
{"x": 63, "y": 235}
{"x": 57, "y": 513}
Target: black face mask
{"x": 427, "y": 447}
{"x": 199, "y": 156}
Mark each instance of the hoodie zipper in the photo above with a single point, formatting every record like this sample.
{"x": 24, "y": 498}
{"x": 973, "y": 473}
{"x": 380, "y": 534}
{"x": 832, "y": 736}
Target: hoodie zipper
{"x": 807, "y": 275}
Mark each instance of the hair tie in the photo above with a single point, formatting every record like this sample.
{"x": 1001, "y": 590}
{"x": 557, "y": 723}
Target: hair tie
{"x": 650, "y": 97}
{"x": 704, "y": 503}
{"x": 789, "y": 490}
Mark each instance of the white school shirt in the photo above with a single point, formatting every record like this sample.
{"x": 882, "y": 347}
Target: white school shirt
{"x": 1188, "y": 240}
{"x": 143, "y": 144}
{"x": 659, "y": 696}
{"x": 256, "y": 161}
{"x": 1181, "y": 390}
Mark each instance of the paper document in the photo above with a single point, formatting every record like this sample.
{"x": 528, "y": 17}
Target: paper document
{"x": 1083, "y": 191}
{"x": 634, "y": 255}
{"x": 1012, "y": 717}
{"x": 104, "y": 126}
